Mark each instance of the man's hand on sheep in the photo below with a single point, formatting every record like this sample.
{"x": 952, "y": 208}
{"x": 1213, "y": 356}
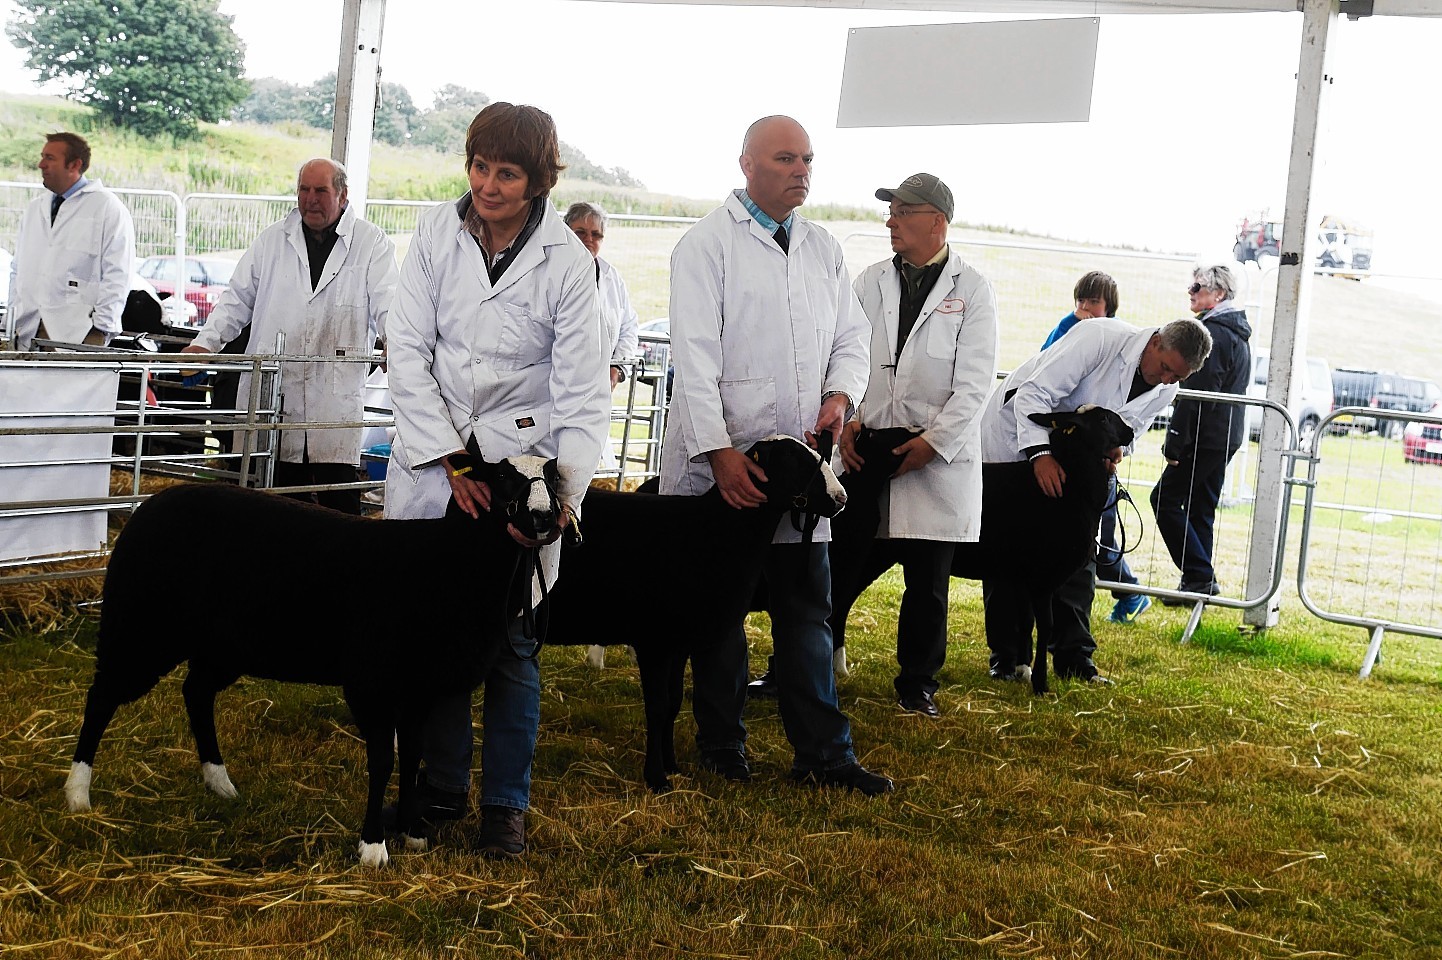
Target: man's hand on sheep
{"x": 1114, "y": 459}
{"x": 830, "y": 419}
{"x": 849, "y": 457}
{"x": 915, "y": 453}
{"x": 1049, "y": 474}
{"x": 733, "y": 471}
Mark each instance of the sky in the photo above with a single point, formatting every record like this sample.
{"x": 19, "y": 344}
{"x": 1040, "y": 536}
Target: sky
{"x": 1190, "y": 123}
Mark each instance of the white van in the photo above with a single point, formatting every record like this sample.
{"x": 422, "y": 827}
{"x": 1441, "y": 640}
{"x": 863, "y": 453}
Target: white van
{"x": 1311, "y": 401}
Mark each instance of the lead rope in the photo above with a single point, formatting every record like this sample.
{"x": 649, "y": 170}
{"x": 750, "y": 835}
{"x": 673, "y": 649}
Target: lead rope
{"x": 807, "y": 527}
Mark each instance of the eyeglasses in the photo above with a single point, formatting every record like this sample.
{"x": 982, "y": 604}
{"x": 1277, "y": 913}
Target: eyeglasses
{"x": 1195, "y": 289}
{"x": 902, "y": 212}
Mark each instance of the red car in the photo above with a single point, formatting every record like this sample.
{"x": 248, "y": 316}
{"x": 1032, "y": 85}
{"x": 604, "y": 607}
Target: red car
{"x": 1422, "y": 442}
{"x": 206, "y": 280}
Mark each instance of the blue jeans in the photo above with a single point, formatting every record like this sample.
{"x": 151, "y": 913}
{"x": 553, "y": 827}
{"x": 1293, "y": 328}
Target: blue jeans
{"x": 798, "y": 578}
{"x": 510, "y": 717}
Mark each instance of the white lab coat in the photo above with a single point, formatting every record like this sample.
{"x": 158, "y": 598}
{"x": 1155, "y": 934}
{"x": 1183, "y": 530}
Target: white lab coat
{"x": 75, "y": 274}
{"x": 518, "y": 365}
{"x": 1093, "y": 363}
{"x": 620, "y": 325}
{"x": 757, "y": 337}
{"x": 939, "y": 384}
{"x": 343, "y": 315}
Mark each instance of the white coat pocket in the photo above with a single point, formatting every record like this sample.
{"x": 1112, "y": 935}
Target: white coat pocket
{"x": 525, "y": 339}
{"x": 943, "y": 329}
{"x": 750, "y": 408}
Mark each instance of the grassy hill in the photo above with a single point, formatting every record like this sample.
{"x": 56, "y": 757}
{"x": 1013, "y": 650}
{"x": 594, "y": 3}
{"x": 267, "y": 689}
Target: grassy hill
{"x": 255, "y": 159}
{"x": 1351, "y": 324}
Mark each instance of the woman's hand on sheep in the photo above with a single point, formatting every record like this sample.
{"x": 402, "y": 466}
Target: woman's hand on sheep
{"x": 1049, "y": 474}
{"x": 734, "y": 472}
{"x": 915, "y": 454}
{"x": 472, "y": 496}
{"x": 849, "y": 457}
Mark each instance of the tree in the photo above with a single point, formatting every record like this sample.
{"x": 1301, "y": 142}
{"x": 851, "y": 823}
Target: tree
{"x": 443, "y": 127}
{"x": 154, "y": 67}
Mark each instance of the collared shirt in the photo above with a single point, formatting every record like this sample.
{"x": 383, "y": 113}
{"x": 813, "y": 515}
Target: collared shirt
{"x": 497, "y": 263}
{"x": 75, "y": 188}
{"x": 762, "y": 217}
{"x": 318, "y": 245}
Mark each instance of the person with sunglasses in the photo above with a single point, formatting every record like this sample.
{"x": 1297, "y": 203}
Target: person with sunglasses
{"x": 1203, "y": 437}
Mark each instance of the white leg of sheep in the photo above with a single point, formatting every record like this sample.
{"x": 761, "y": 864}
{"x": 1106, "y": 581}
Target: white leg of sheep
{"x": 374, "y": 854}
{"x": 838, "y": 663}
{"x": 218, "y": 780}
{"x": 596, "y": 656}
{"x": 77, "y": 787}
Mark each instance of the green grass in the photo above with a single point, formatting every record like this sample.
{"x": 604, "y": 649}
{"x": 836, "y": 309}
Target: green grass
{"x": 1242, "y": 796}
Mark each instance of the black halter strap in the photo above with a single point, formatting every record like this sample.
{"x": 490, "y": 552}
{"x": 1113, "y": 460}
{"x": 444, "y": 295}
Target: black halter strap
{"x": 803, "y": 520}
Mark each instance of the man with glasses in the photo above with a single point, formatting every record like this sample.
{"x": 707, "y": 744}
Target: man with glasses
{"x": 1203, "y": 437}
{"x": 933, "y": 361}
{"x": 1105, "y": 362}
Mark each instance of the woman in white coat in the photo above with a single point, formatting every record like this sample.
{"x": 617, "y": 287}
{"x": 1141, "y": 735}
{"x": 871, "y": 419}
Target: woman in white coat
{"x": 620, "y": 326}
{"x": 936, "y": 382}
{"x": 494, "y": 336}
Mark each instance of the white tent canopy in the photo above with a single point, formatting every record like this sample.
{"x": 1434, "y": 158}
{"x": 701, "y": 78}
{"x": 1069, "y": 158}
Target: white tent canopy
{"x": 1080, "y": 8}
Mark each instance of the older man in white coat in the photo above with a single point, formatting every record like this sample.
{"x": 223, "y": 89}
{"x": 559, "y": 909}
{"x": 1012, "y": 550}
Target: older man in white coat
{"x": 1105, "y": 362}
{"x": 324, "y": 278}
{"x": 767, "y": 338}
{"x": 933, "y": 362}
{"x": 73, "y": 256}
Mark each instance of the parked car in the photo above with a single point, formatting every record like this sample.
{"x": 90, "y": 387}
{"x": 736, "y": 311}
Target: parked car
{"x": 656, "y": 347}
{"x": 1311, "y": 397}
{"x": 1422, "y": 442}
{"x": 1382, "y": 390}
{"x": 206, "y": 279}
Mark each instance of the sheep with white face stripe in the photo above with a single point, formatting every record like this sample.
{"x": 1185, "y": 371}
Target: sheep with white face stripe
{"x": 451, "y": 587}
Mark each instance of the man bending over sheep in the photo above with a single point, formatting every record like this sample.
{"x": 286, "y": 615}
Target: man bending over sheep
{"x": 1105, "y": 362}
{"x": 767, "y": 338}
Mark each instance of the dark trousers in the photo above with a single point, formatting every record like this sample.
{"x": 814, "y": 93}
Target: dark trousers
{"x": 1185, "y": 503}
{"x": 798, "y": 583}
{"x": 1009, "y": 624}
{"x": 305, "y": 474}
{"x": 921, "y": 623}
{"x": 1111, "y": 562}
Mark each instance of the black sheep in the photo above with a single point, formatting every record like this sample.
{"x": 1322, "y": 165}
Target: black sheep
{"x": 1026, "y": 536}
{"x": 702, "y": 592}
{"x": 449, "y": 586}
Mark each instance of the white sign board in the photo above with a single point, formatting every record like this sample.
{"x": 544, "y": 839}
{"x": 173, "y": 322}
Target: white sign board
{"x": 49, "y": 470}
{"x": 1023, "y": 71}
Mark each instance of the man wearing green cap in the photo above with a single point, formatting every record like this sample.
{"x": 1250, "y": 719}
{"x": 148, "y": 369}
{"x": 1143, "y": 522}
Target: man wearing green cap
{"x": 933, "y": 362}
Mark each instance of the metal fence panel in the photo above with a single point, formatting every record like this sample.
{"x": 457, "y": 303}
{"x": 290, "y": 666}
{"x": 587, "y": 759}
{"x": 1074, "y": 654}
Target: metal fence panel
{"x": 1371, "y": 546}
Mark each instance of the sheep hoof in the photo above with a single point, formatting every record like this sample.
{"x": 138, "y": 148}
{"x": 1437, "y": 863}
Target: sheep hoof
{"x": 631, "y": 652}
{"x": 416, "y": 844}
{"x": 374, "y": 854}
{"x": 218, "y": 780}
{"x": 77, "y": 787}
{"x": 596, "y": 657}
{"x": 838, "y": 663}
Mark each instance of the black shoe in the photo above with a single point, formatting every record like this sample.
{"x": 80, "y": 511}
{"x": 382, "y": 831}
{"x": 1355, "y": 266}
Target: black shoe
{"x": 503, "y": 832}
{"x": 920, "y": 702}
{"x": 762, "y": 688}
{"x": 1207, "y": 588}
{"x": 853, "y": 776}
{"x": 1086, "y": 672}
{"x": 730, "y": 764}
{"x": 436, "y": 806}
